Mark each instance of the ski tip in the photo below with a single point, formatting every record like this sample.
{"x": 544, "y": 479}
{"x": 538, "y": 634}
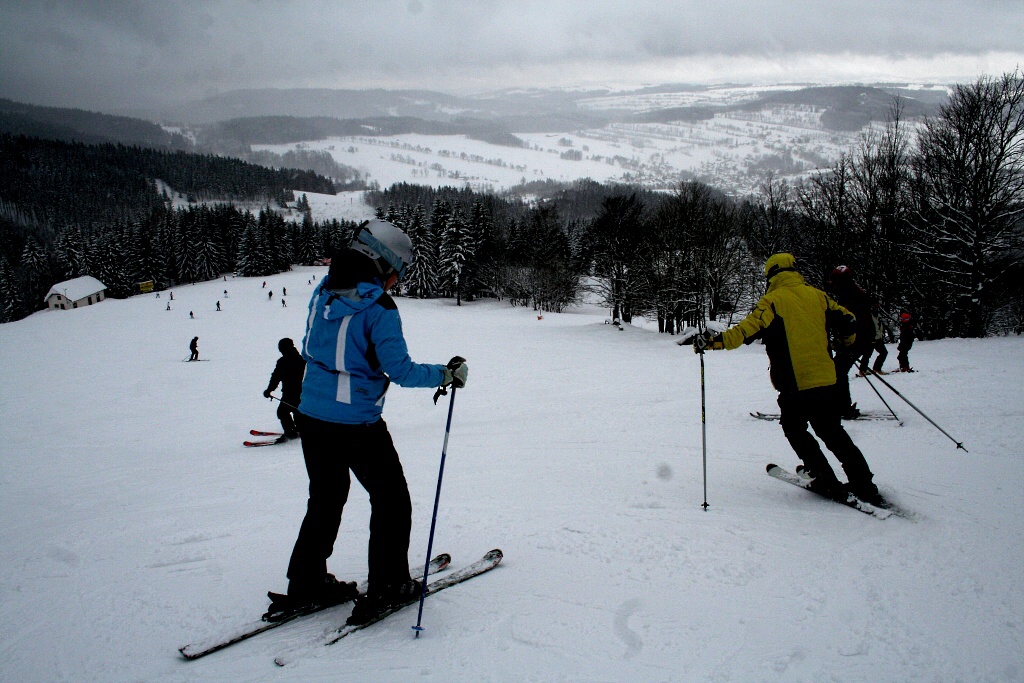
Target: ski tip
{"x": 495, "y": 555}
{"x": 770, "y": 467}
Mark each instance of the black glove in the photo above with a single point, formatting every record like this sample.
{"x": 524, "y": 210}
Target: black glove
{"x": 266, "y": 394}
{"x": 456, "y": 372}
{"x": 707, "y": 341}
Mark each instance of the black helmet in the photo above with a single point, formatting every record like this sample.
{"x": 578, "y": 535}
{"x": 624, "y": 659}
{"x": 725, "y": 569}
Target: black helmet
{"x": 285, "y": 344}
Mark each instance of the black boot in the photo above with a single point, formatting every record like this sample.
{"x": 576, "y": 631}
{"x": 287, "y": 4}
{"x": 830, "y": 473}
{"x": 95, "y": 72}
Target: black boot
{"x": 306, "y": 597}
{"x": 375, "y": 602}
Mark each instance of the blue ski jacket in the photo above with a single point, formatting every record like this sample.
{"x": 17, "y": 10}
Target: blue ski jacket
{"x": 354, "y": 348}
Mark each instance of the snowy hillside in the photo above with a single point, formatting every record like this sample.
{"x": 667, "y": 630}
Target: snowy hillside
{"x": 730, "y": 151}
{"x": 134, "y": 521}
{"x": 729, "y": 136}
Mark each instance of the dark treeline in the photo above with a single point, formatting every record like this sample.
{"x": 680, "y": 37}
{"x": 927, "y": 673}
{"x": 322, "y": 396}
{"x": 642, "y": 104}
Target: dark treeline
{"x": 167, "y": 246}
{"x": 929, "y": 219}
{"x": 55, "y": 183}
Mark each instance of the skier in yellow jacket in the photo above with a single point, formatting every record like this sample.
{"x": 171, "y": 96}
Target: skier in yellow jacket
{"x": 794, "y": 320}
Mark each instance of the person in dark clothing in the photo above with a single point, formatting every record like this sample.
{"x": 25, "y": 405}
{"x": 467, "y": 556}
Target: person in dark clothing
{"x": 354, "y": 349}
{"x": 850, "y": 296}
{"x": 794, "y": 320}
{"x": 194, "y": 348}
{"x": 288, "y": 373}
{"x": 878, "y": 345}
{"x": 906, "y": 341}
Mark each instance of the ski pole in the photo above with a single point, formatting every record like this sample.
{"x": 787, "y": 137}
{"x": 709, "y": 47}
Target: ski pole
{"x": 275, "y": 398}
{"x": 433, "y": 520}
{"x": 882, "y": 399}
{"x": 700, "y": 343}
{"x": 959, "y": 444}
{"x": 703, "y": 429}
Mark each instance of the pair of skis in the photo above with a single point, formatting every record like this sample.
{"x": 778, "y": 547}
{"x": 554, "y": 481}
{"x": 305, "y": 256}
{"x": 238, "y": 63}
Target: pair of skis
{"x": 803, "y": 481}
{"x": 864, "y": 415}
{"x": 265, "y": 441}
{"x": 441, "y": 562}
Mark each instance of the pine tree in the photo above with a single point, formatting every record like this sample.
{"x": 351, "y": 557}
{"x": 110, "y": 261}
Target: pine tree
{"x": 252, "y": 252}
{"x": 9, "y": 299}
{"x": 456, "y": 250}
{"x": 307, "y": 246}
{"x": 69, "y": 253}
{"x": 421, "y": 278}
{"x": 35, "y": 273}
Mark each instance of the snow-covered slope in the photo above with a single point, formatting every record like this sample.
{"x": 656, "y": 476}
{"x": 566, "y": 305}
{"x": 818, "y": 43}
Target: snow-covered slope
{"x": 134, "y": 522}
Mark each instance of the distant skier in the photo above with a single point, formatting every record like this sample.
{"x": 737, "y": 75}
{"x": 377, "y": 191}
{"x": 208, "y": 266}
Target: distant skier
{"x": 264, "y": 284}
{"x": 354, "y": 348}
{"x": 794, "y": 320}
{"x": 194, "y": 348}
{"x": 906, "y": 341}
{"x": 218, "y": 305}
{"x": 191, "y": 315}
{"x": 168, "y": 306}
{"x": 225, "y": 294}
{"x": 284, "y": 304}
{"x": 284, "y": 291}
{"x": 853, "y": 298}
{"x": 288, "y": 373}
{"x": 877, "y": 345}
{"x": 172, "y": 296}
{"x": 270, "y": 295}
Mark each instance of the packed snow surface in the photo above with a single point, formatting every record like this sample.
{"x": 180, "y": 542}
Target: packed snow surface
{"x": 134, "y": 522}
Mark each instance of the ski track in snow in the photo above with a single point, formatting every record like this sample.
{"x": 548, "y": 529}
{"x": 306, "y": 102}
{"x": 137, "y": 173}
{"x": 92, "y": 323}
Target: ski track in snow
{"x": 135, "y": 522}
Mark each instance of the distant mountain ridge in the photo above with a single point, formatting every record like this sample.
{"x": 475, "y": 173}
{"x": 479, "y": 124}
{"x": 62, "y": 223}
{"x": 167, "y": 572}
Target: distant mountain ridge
{"x": 846, "y": 107}
{"x": 55, "y": 123}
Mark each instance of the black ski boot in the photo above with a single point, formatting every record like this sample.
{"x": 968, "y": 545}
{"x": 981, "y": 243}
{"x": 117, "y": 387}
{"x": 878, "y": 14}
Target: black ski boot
{"x": 373, "y": 603}
{"x": 300, "y": 599}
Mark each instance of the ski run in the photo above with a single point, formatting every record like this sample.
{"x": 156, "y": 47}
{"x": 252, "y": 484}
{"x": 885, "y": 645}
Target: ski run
{"x": 134, "y": 521}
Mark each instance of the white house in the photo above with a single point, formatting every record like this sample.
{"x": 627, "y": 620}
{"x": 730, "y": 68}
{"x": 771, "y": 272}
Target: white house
{"x": 81, "y": 291}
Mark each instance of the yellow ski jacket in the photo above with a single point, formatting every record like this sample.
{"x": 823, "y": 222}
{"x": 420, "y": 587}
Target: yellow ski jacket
{"x": 794, "y": 320}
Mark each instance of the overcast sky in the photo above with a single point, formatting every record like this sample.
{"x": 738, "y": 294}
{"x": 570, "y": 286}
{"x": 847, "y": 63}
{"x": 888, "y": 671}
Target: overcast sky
{"x": 117, "y": 54}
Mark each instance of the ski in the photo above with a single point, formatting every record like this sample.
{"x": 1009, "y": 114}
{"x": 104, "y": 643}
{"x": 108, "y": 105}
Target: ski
{"x": 256, "y": 432}
{"x": 864, "y": 416}
{"x": 851, "y": 500}
{"x": 484, "y": 564}
{"x": 254, "y": 444}
{"x": 202, "y": 648}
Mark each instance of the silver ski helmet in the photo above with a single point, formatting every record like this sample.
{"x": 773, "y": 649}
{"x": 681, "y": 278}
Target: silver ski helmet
{"x": 386, "y": 244}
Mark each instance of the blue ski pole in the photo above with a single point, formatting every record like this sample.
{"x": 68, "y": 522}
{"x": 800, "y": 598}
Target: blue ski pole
{"x": 433, "y": 520}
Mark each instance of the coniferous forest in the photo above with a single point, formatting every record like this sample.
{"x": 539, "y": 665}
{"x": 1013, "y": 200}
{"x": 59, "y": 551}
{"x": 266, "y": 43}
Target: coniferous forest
{"x": 930, "y": 218}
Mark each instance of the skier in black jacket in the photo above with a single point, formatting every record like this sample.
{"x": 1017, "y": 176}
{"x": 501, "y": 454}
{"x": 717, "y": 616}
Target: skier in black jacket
{"x": 850, "y": 296}
{"x": 288, "y": 373}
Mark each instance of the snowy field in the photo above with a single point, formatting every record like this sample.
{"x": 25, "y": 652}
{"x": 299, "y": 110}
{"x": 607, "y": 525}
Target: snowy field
{"x": 135, "y": 522}
{"x": 730, "y": 151}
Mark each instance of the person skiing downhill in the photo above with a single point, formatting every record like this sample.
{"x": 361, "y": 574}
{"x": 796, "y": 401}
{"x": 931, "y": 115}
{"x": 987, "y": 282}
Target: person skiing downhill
{"x": 194, "y": 348}
{"x": 906, "y": 341}
{"x": 794, "y": 320}
{"x": 354, "y": 348}
{"x": 288, "y": 373}
{"x": 853, "y": 298}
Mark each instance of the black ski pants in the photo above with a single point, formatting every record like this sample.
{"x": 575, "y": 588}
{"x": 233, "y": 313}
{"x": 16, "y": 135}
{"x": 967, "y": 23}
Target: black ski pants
{"x": 844, "y": 360}
{"x": 332, "y": 451}
{"x": 287, "y": 413}
{"x": 904, "y": 353}
{"x": 878, "y": 346}
{"x": 818, "y": 407}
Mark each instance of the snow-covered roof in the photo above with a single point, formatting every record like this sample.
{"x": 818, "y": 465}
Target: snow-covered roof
{"x": 76, "y": 289}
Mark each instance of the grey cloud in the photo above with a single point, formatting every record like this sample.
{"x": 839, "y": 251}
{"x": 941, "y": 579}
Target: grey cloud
{"x": 120, "y": 52}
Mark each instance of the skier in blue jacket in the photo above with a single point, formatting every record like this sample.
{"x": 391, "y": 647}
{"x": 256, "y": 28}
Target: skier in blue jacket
{"x": 354, "y": 349}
